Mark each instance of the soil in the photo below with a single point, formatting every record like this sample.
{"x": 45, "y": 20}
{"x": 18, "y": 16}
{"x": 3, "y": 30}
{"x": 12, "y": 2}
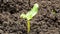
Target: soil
{"x": 45, "y": 22}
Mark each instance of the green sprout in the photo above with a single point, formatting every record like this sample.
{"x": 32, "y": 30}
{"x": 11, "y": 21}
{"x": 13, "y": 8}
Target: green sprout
{"x": 30, "y": 15}
{"x": 53, "y": 11}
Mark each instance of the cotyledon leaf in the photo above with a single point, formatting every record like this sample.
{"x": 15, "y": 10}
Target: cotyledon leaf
{"x": 31, "y": 13}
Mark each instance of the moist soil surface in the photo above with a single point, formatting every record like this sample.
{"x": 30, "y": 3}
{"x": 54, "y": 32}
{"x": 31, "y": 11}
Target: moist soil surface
{"x": 46, "y": 21}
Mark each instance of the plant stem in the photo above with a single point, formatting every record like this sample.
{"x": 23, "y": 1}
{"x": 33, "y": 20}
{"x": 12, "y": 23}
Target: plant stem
{"x": 28, "y": 26}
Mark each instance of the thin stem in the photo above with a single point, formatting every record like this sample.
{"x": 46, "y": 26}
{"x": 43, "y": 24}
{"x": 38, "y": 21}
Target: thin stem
{"x": 28, "y": 26}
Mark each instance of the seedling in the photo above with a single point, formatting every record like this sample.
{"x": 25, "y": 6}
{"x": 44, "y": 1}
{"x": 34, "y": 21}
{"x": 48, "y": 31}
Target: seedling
{"x": 30, "y": 15}
{"x": 53, "y": 11}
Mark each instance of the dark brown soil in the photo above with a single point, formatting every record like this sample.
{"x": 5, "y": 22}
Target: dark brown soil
{"x": 45, "y": 22}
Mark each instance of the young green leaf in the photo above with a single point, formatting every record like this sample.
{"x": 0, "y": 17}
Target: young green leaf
{"x": 31, "y": 13}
